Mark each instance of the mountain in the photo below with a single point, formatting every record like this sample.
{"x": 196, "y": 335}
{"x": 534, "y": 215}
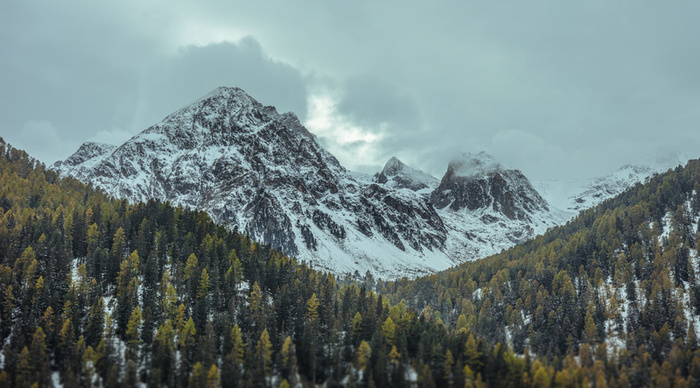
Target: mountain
{"x": 89, "y": 154}
{"x": 479, "y": 182}
{"x": 575, "y": 196}
{"x": 264, "y": 174}
{"x": 489, "y": 207}
{"x": 616, "y": 286}
{"x": 147, "y": 294}
{"x": 397, "y": 175}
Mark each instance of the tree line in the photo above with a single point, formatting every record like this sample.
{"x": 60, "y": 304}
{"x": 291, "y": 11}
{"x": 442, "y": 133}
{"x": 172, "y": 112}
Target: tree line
{"x": 97, "y": 291}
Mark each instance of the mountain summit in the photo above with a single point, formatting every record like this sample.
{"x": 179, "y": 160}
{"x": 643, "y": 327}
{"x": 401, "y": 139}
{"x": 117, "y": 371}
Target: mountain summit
{"x": 263, "y": 173}
{"x": 473, "y": 165}
{"x": 479, "y": 181}
{"x": 398, "y": 175}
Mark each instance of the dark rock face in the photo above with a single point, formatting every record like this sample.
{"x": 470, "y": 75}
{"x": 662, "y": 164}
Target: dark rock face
{"x": 269, "y": 223}
{"x": 325, "y": 222}
{"x": 506, "y": 191}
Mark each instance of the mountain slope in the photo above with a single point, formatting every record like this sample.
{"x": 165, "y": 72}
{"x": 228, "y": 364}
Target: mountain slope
{"x": 574, "y": 197}
{"x": 263, "y": 173}
{"x": 617, "y": 284}
{"x": 489, "y": 207}
{"x": 100, "y": 292}
{"x": 97, "y": 291}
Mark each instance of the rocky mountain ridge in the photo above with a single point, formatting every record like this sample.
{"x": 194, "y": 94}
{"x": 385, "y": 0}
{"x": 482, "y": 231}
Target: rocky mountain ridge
{"x": 263, "y": 173}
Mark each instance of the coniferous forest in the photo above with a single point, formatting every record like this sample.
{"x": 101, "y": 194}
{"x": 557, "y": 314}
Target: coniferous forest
{"x": 96, "y": 291}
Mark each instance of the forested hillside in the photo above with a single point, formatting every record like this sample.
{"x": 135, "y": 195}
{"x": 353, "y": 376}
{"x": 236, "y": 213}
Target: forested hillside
{"x": 613, "y": 297}
{"x": 96, "y": 291}
{"x": 100, "y": 292}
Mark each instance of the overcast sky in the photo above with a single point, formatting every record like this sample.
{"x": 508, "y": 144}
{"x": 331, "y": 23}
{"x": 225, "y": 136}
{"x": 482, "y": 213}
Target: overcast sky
{"x": 559, "y": 89}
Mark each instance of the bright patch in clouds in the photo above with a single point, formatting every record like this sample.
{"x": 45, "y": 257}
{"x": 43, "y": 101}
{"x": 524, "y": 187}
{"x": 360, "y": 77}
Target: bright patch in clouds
{"x": 354, "y": 146}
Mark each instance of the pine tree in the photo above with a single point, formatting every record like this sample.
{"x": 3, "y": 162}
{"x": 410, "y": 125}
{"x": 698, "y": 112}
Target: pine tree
{"x": 188, "y": 345}
{"x": 202, "y": 301}
{"x": 127, "y": 286}
{"x": 312, "y": 309}
{"x": 48, "y": 323}
{"x": 164, "y": 353}
{"x": 198, "y": 378}
{"x": 133, "y": 337}
{"x": 66, "y": 343}
{"x": 168, "y": 296}
{"x": 95, "y": 324}
{"x": 25, "y": 374}
{"x": 238, "y": 348}
{"x": 472, "y": 356}
{"x": 191, "y": 275}
{"x": 256, "y": 308}
{"x": 389, "y": 331}
{"x": 231, "y": 367}
{"x": 90, "y": 360}
{"x": 116, "y": 254}
{"x": 263, "y": 351}
{"x": 39, "y": 357}
{"x": 448, "y": 366}
{"x": 8, "y": 307}
{"x": 213, "y": 377}
{"x": 363, "y": 355}
{"x": 187, "y": 334}
{"x": 288, "y": 359}
{"x": 357, "y": 327}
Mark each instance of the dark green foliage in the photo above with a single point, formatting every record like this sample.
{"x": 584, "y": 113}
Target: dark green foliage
{"x": 83, "y": 276}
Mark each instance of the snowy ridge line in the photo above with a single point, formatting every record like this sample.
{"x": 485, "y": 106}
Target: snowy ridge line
{"x": 262, "y": 172}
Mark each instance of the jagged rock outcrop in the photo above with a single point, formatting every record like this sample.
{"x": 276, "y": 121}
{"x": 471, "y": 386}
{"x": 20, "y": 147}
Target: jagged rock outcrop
{"x": 487, "y": 207}
{"x": 398, "y": 175}
{"x": 478, "y": 181}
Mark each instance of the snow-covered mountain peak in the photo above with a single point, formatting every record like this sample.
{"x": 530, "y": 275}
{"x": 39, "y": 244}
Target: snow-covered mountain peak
{"x": 398, "y": 175}
{"x": 226, "y": 93}
{"x": 88, "y": 151}
{"x": 470, "y": 165}
{"x": 91, "y": 149}
{"x": 393, "y": 166}
{"x": 263, "y": 173}
{"x": 575, "y": 196}
{"x": 478, "y": 181}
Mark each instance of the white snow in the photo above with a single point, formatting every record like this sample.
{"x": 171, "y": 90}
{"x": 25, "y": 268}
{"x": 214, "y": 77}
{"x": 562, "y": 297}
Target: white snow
{"x": 401, "y": 176}
{"x": 56, "y": 380}
{"x": 573, "y": 196}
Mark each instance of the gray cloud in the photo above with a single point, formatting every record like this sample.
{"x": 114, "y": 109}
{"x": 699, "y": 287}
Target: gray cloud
{"x": 558, "y": 89}
{"x": 76, "y": 72}
{"x": 372, "y": 101}
{"x": 175, "y": 81}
